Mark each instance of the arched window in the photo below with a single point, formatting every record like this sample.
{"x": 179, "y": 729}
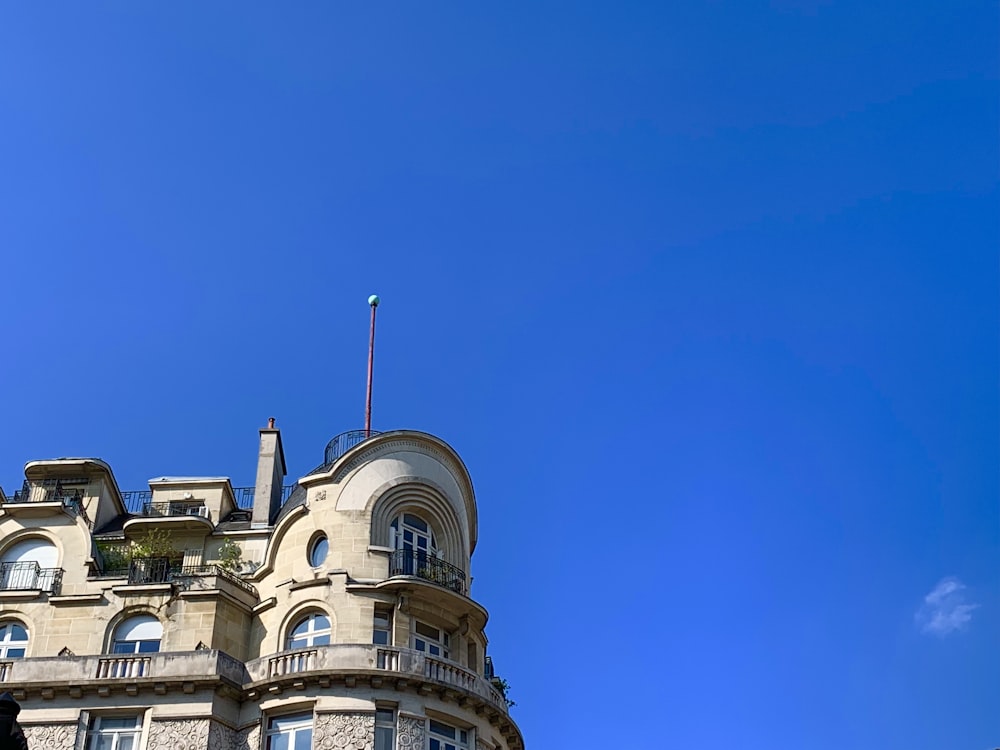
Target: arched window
{"x": 313, "y": 630}
{"x": 412, "y": 533}
{"x": 138, "y": 635}
{"x": 13, "y": 640}
{"x": 30, "y": 564}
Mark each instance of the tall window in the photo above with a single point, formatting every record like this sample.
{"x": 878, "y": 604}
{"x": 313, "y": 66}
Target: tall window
{"x": 385, "y": 729}
{"x": 290, "y": 732}
{"x": 114, "y": 733}
{"x": 137, "y": 635}
{"x": 382, "y": 628}
{"x": 29, "y": 565}
{"x": 430, "y": 640}
{"x": 411, "y": 532}
{"x": 445, "y": 737}
{"x": 13, "y": 640}
{"x": 313, "y": 630}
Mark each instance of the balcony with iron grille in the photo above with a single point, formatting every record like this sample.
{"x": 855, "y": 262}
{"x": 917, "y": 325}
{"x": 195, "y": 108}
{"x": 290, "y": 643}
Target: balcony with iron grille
{"x": 46, "y": 496}
{"x": 145, "y": 571}
{"x": 415, "y": 563}
{"x": 187, "y": 515}
{"x": 28, "y": 576}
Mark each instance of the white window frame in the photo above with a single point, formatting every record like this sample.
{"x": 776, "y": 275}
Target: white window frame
{"x": 298, "y": 722}
{"x": 95, "y": 732}
{"x": 427, "y": 644}
{"x": 377, "y": 628}
{"x": 148, "y": 623}
{"x": 444, "y": 736}
{"x": 312, "y": 633}
{"x": 7, "y": 642}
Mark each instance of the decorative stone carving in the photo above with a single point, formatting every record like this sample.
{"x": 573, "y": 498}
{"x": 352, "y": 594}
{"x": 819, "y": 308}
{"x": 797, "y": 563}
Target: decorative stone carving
{"x": 249, "y": 738}
{"x": 344, "y": 732}
{"x": 50, "y": 736}
{"x": 482, "y": 745}
{"x": 179, "y": 735}
{"x": 411, "y": 734}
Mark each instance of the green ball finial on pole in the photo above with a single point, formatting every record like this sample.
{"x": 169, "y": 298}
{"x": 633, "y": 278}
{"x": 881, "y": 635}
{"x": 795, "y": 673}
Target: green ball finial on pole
{"x": 374, "y": 300}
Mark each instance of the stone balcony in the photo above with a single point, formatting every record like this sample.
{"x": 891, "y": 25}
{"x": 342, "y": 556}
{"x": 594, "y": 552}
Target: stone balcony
{"x": 378, "y": 665}
{"x": 106, "y": 674}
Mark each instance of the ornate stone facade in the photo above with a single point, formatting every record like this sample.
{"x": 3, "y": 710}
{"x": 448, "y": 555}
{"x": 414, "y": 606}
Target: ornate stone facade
{"x": 51, "y": 736}
{"x": 219, "y": 667}
{"x": 354, "y": 731}
{"x": 411, "y": 734}
{"x": 191, "y": 734}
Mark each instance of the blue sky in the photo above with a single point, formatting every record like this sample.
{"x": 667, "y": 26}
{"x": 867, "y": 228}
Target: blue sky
{"x": 705, "y": 294}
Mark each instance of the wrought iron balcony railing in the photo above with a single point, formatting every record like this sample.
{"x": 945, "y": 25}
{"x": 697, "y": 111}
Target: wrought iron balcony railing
{"x": 153, "y": 510}
{"x": 146, "y": 570}
{"x": 29, "y": 576}
{"x": 405, "y": 562}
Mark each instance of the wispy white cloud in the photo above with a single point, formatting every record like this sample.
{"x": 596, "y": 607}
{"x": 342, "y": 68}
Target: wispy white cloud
{"x": 945, "y": 609}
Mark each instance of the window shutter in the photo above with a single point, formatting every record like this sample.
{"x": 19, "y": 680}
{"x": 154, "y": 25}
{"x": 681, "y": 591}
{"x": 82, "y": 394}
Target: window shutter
{"x": 392, "y": 537}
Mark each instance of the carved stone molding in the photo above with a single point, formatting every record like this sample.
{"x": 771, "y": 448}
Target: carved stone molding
{"x": 191, "y": 734}
{"x": 355, "y": 731}
{"x": 411, "y": 734}
{"x": 51, "y": 736}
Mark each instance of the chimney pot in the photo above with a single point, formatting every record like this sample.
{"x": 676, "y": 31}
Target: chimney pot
{"x": 270, "y": 423}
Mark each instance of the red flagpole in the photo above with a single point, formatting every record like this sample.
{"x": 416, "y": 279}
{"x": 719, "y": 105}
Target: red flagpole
{"x": 373, "y": 302}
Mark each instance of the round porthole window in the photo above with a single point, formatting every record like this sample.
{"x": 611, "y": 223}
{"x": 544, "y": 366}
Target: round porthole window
{"x": 318, "y": 550}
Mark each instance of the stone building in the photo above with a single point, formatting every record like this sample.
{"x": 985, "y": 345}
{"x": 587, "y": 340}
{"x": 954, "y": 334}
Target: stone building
{"x": 335, "y": 612}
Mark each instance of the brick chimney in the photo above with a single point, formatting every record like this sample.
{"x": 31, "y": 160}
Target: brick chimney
{"x": 270, "y": 476}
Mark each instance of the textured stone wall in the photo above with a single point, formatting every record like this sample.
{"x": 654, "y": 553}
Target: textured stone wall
{"x": 191, "y": 734}
{"x": 354, "y": 731}
{"x": 51, "y": 736}
{"x": 410, "y": 734}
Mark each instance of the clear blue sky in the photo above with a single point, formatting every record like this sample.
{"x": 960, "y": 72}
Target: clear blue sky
{"x": 705, "y": 293}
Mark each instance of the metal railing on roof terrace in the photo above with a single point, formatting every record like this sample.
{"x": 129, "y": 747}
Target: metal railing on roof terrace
{"x": 245, "y": 495}
{"x": 69, "y": 491}
{"x": 344, "y": 442}
{"x": 136, "y": 500}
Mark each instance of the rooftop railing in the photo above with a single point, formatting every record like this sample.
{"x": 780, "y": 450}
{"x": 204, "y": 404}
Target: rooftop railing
{"x": 344, "y": 442}
{"x": 136, "y": 500}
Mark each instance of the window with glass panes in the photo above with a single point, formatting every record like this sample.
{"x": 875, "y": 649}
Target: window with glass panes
{"x": 382, "y": 628}
{"x": 114, "y": 733}
{"x": 290, "y": 732}
{"x": 138, "y": 635}
{"x": 446, "y": 737}
{"x": 313, "y": 630}
{"x": 13, "y": 640}
{"x": 430, "y": 640}
{"x": 385, "y": 729}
